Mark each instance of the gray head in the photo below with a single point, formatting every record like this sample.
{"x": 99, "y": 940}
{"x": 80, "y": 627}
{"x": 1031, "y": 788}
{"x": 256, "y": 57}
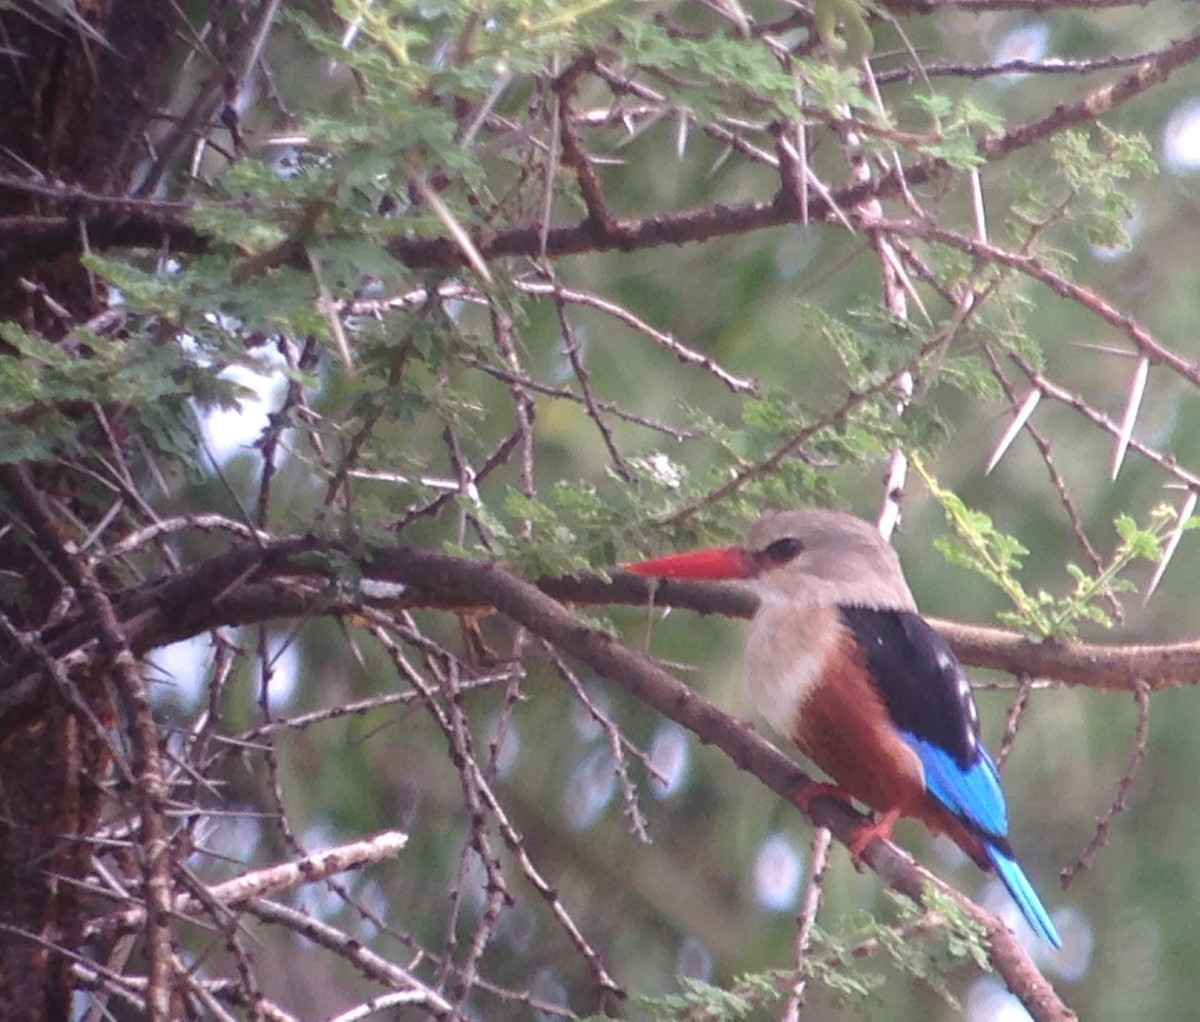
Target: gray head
{"x": 823, "y": 558}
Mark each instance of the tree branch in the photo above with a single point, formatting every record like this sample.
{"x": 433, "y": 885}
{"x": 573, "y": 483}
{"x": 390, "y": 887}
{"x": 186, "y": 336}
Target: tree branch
{"x": 285, "y": 579}
{"x": 168, "y": 224}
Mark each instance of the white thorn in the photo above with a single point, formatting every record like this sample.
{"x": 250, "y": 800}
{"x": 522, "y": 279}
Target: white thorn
{"x": 1189, "y": 505}
{"x": 1137, "y": 388}
{"x": 1105, "y": 349}
{"x": 1014, "y": 427}
{"x": 459, "y": 233}
{"x": 978, "y": 212}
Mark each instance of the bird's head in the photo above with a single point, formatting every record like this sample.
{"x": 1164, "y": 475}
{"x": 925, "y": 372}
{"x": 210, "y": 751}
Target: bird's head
{"x": 803, "y": 558}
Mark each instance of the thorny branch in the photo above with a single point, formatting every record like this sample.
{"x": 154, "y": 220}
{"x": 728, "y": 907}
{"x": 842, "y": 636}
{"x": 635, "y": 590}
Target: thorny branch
{"x": 601, "y": 231}
{"x": 221, "y": 591}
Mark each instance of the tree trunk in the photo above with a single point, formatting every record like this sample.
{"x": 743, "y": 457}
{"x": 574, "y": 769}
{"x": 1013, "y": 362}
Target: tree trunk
{"x": 81, "y": 84}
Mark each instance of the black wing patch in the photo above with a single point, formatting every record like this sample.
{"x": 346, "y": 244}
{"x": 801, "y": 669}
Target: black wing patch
{"x": 921, "y": 680}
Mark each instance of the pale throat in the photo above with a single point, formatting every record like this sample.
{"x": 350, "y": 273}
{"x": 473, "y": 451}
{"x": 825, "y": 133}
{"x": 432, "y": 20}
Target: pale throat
{"x": 786, "y": 648}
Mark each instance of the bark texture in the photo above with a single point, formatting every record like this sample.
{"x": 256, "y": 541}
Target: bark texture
{"x": 81, "y": 83}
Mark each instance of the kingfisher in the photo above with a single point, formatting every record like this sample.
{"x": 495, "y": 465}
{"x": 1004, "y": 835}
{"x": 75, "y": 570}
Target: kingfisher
{"x": 839, "y": 661}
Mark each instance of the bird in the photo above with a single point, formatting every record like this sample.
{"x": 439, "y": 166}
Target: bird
{"x": 839, "y": 661}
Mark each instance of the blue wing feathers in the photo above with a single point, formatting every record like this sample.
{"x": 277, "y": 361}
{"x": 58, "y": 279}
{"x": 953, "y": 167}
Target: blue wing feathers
{"x": 975, "y": 796}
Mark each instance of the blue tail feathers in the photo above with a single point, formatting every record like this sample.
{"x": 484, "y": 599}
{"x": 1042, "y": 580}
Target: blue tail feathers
{"x": 1008, "y": 869}
{"x": 974, "y": 795}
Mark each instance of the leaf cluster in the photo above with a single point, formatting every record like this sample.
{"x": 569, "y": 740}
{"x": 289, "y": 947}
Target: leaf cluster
{"x": 924, "y": 944}
{"x": 998, "y": 557}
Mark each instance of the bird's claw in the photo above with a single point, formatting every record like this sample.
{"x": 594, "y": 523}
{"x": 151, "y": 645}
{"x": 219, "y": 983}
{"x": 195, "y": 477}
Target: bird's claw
{"x": 881, "y": 828}
{"x": 863, "y": 835}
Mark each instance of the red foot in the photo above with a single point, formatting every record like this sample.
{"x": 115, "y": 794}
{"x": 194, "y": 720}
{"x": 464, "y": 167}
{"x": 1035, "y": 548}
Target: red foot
{"x": 864, "y": 835}
{"x": 868, "y": 832}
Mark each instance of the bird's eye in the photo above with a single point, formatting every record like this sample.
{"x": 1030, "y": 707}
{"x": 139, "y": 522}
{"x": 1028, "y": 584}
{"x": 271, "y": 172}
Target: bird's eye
{"x": 782, "y": 550}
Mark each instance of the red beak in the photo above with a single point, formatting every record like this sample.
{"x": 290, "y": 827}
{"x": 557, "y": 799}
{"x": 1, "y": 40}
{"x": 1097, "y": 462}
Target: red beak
{"x": 712, "y": 563}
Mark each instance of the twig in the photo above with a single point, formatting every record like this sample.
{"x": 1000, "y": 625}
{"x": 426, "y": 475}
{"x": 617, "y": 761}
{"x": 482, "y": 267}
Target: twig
{"x": 809, "y": 907}
{"x": 617, "y": 742}
{"x": 272, "y": 879}
{"x": 1141, "y": 734}
{"x": 370, "y": 964}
